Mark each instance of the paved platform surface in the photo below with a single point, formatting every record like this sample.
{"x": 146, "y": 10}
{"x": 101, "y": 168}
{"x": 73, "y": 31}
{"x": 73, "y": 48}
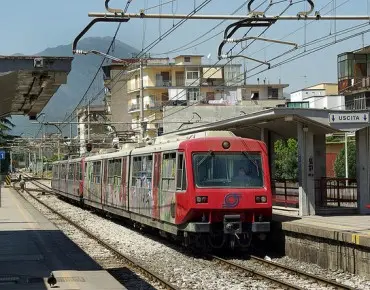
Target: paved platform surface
{"x": 353, "y": 229}
{"x": 31, "y": 248}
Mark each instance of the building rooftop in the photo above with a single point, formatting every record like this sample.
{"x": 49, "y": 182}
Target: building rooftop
{"x": 265, "y": 85}
{"x": 191, "y": 55}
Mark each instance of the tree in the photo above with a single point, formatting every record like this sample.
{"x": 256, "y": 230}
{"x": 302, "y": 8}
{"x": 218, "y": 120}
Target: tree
{"x": 286, "y": 159}
{"x": 340, "y": 162}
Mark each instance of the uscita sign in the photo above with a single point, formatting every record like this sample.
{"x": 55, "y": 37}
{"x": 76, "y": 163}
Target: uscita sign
{"x": 349, "y": 118}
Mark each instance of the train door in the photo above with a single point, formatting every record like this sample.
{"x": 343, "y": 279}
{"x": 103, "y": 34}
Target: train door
{"x": 105, "y": 182}
{"x": 156, "y": 183}
{"x": 124, "y": 184}
{"x": 81, "y": 178}
{"x": 55, "y": 177}
{"x": 168, "y": 187}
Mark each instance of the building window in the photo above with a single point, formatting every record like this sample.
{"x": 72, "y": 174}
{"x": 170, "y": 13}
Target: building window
{"x": 273, "y": 93}
{"x": 193, "y": 94}
{"x": 255, "y": 95}
{"x": 298, "y": 105}
{"x": 192, "y": 75}
{"x": 187, "y": 59}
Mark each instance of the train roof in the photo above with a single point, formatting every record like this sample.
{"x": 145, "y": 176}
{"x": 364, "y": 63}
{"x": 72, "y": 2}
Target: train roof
{"x": 172, "y": 142}
{"x": 162, "y": 143}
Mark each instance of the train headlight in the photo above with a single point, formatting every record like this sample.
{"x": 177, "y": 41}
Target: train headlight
{"x": 226, "y": 144}
{"x": 261, "y": 199}
{"x": 201, "y": 199}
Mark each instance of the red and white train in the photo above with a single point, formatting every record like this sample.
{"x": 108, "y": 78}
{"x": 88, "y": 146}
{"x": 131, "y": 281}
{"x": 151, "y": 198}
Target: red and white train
{"x": 210, "y": 188}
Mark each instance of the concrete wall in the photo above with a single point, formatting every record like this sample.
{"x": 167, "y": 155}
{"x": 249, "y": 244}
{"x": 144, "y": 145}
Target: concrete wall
{"x": 262, "y": 90}
{"x": 174, "y": 116}
{"x": 301, "y": 96}
{"x": 328, "y": 253}
{"x": 119, "y": 104}
{"x": 194, "y": 60}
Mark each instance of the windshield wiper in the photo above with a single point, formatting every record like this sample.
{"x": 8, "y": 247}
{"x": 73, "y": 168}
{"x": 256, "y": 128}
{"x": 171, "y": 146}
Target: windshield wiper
{"x": 211, "y": 153}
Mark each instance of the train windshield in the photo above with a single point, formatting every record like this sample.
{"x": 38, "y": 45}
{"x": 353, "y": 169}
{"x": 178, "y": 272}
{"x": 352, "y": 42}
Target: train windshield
{"x": 233, "y": 170}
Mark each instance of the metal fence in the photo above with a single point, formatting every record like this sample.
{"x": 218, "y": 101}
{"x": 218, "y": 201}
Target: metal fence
{"x": 285, "y": 193}
{"x": 329, "y": 192}
{"x": 336, "y": 192}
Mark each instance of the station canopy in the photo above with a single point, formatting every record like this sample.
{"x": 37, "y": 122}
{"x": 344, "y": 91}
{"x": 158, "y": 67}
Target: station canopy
{"x": 27, "y": 83}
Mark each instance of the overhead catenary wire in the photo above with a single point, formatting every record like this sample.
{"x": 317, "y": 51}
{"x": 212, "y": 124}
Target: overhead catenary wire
{"x": 264, "y": 30}
{"x": 291, "y": 59}
{"x": 101, "y": 64}
{"x": 185, "y": 107}
{"x": 150, "y": 46}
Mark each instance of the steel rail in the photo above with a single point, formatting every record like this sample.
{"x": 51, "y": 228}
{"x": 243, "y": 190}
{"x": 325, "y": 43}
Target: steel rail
{"x": 277, "y": 281}
{"x": 281, "y": 283}
{"x": 303, "y": 274}
{"x": 227, "y": 17}
{"x": 128, "y": 260}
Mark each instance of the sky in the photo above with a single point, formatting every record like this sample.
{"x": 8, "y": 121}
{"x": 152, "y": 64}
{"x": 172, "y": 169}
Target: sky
{"x": 29, "y": 27}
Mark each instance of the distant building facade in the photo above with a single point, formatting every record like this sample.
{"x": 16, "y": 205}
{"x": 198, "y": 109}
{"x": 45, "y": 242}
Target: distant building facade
{"x": 321, "y": 96}
{"x": 185, "y": 81}
{"x": 354, "y": 78}
{"x": 101, "y": 135}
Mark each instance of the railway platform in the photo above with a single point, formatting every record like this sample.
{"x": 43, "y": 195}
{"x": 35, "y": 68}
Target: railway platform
{"x": 340, "y": 242}
{"x": 31, "y": 247}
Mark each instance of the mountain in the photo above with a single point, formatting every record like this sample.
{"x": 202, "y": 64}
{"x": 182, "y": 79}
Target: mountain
{"x": 83, "y": 70}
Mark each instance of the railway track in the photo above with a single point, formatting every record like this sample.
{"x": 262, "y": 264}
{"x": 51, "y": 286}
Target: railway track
{"x": 115, "y": 260}
{"x": 259, "y": 267}
{"x": 283, "y": 277}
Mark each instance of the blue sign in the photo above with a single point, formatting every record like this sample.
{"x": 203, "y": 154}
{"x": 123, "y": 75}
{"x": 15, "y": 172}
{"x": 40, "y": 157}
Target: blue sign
{"x": 2, "y": 155}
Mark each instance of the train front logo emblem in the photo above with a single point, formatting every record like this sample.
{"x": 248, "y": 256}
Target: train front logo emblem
{"x": 231, "y": 200}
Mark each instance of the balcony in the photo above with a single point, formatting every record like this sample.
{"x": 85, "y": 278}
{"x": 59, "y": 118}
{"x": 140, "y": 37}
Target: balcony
{"x": 163, "y": 83}
{"x": 346, "y": 86}
{"x": 154, "y": 105}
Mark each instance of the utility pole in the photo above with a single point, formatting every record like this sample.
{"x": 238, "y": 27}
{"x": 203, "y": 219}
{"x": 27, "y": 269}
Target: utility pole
{"x": 58, "y": 148}
{"x": 142, "y": 124}
{"x": 88, "y": 122}
{"x": 11, "y": 161}
{"x": 346, "y": 155}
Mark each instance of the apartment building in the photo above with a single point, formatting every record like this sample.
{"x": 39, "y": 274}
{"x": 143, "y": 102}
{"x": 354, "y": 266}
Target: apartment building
{"x": 354, "y": 78}
{"x": 101, "y": 135}
{"x": 185, "y": 81}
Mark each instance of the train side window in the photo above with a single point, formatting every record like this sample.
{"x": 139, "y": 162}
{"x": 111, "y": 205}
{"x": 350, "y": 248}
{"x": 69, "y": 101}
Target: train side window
{"x": 168, "y": 172}
{"x": 78, "y": 171}
{"x": 117, "y": 171}
{"x": 63, "y": 171}
{"x": 110, "y": 171}
{"x": 114, "y": 171}
{"x": 181, "y": 172}
{"x": 55, "y": 171}
{"x": 71, "y": 171}
{"x": 96, "y": 171}
{"x": 142, "y": 171}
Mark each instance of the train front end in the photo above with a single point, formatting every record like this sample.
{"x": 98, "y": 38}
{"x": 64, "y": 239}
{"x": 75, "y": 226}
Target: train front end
{"x": 229, "y": 192}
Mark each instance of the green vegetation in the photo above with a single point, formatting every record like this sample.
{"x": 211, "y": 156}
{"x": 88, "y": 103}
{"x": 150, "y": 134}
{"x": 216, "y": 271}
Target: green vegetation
{"x": 286, "y": 159}
{"x": 340, "y": 165}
